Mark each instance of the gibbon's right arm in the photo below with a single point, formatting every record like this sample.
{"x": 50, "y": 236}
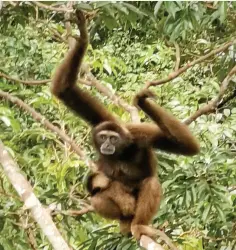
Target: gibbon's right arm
{"x": 64, "y": 81}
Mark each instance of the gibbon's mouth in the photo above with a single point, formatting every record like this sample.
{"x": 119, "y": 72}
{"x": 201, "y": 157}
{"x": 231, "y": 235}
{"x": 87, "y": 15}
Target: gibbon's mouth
{"x": 108, "y": 151}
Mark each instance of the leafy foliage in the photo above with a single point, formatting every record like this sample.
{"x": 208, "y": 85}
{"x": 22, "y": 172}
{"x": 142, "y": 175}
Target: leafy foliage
{"x": 128, "y": 47}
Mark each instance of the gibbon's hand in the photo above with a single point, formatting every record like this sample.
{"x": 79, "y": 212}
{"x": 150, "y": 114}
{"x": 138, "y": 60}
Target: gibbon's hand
{"x": 142, "y": 95}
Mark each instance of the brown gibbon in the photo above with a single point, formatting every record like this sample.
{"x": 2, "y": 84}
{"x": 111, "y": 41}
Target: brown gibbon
{"x": 126, "y": 185}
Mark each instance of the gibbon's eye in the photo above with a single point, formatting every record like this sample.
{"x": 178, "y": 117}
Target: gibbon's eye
{"x": 103, "y": 137}
{"x": 114, "y": 139}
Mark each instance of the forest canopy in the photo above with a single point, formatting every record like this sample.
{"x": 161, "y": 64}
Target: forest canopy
{"x": 185, "y": 52}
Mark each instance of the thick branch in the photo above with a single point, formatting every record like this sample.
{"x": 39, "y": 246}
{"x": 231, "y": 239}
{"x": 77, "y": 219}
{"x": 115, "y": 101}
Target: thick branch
{"x": 33, "y": 82}
{"x": 149, "y": 244}
{"x": 31, "y": 202}
{"x": 38, "y": 117}
{"x": 212, "y": 105}
{"x": 174, "y": 74}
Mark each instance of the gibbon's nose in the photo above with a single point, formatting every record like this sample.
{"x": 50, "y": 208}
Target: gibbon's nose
{"x": 107, "y": 144}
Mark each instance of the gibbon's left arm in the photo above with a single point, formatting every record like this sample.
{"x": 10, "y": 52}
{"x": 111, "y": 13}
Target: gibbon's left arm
{"x": 64, "y": 81}
{"x": 172, "y": 135}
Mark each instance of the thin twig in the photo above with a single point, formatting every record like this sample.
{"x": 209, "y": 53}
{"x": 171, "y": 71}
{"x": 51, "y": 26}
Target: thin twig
{"x": 80, "y": 212}
{"x": 57, "y": 35}
{"x": 212, "y": 105}
{"x": 174, "y": 74}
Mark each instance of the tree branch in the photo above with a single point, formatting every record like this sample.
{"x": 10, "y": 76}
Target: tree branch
{"x": 31, "y": 202}
{"x": 227, "y": 99}
{"x": 71, "y": 212}
{"x": 116, "y": 99}
{"x": 212, "y": 105}
{"x": 71, "y": 40}
{"x": 32, "y": 83}
{"x": 174, "y": 74}
{"x": 149, "y": 244}
{"x": 92, "y": 82}
{"x": 38, "y": 117}
{"x": 48, "y": 7}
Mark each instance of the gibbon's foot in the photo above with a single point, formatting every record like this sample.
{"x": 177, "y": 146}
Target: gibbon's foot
{"x": 128, "y": 208}
{"x": 139, "y": 230}
{"x": 143, "y": 94}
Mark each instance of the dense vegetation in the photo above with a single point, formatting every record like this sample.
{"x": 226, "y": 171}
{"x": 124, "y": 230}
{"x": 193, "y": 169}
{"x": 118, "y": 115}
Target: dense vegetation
{"x": 131, "y": 43}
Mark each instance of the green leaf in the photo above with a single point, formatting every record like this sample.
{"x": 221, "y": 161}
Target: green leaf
{"x": 206, "y": 212}
{"x": 157, "y": 7}
{"x": 134, "y": 9}
{"x": 223, "y": 10}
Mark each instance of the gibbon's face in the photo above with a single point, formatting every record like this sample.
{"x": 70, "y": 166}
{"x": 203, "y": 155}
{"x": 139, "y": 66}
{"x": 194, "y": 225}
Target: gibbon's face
{"x": 108, "y": 141}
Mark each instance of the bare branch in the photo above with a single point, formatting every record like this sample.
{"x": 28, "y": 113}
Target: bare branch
{"x": 80, "y": 212}
{"x": 48, "y": 7}
{"x": 32, "y": 83}
{"x": 177, "y": 54}
{"x": 174, "y": 74}
{"x": 31, "y": 202}
{"x": 212, "y": 105}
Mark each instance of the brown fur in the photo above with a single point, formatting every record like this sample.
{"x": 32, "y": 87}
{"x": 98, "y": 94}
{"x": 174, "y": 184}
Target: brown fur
{"x": 130, "y": 190}
{"x": 111, "y": 199}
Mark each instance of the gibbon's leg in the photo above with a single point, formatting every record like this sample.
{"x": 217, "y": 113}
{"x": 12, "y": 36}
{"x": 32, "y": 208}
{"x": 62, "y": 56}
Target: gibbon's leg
{"x": 176, "y": 136}
{"x": 64, "y": 81}
{"x": 116, "y": 191}
{"x": 123, "y": 198}
{"x": 110, "y": 195}
{"x": 148, "y": 202}
{"x": 105, "y": 206}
